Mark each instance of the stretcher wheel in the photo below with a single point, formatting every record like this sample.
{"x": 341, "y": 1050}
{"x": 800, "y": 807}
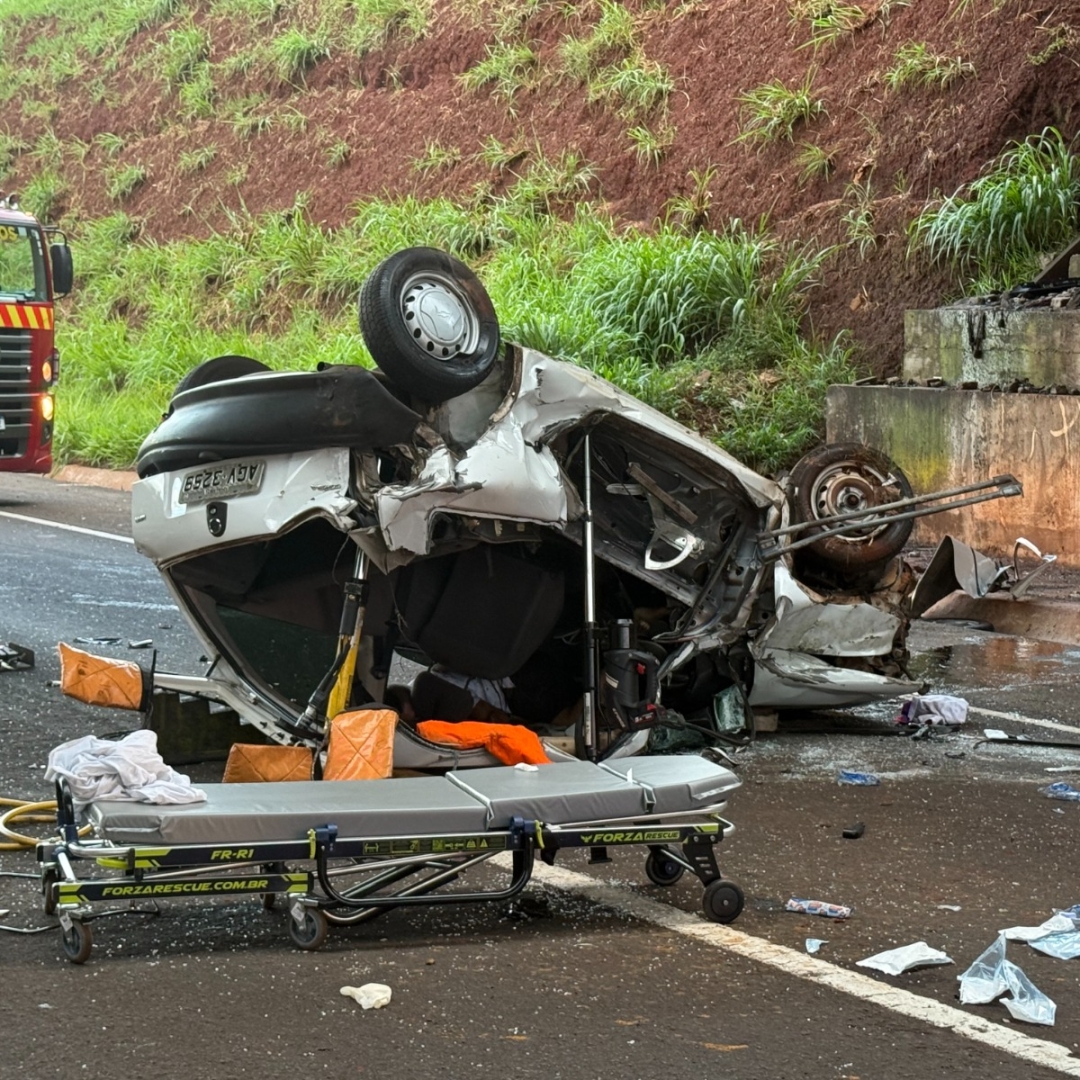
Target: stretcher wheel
{"x": 310, "y": 934}
{"x": 78, "y": 942}
{"x": 722, "y": 901}
{"x": 661, "y": 868}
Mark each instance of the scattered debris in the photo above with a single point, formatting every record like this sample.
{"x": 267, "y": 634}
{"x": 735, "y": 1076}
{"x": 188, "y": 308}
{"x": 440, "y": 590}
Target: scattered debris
{"x": 855, "y": 831}
{"x": 906, "y": 958}
{"x": 996, "y": 735}
{"x": 818, "y": 907}
{"x": 369, "y": 996}
{"x": 991, "y": 976}
{"x": 949, "y": 907}
{"x": 813, "y": 944}
{"x": 954, "y": 566}
{"x": 858, "y": 779}
{"x": 146, "y": 643}
{"x": 1061, "y": 790}
{"x": 15, "y": 657}
{"x": 934, "y": 710}
{"x": 97, "y": 641}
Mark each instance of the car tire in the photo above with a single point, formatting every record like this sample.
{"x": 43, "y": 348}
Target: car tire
{"x": 842, "y": 477}
{"x": 429, "y": 324}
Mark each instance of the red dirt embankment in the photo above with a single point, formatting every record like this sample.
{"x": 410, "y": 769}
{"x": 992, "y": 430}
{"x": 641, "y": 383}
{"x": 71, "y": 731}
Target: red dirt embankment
{"x": 392, "y": 104}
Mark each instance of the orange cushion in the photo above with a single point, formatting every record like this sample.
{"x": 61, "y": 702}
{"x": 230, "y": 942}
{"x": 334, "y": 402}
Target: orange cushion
{"x": 361, "y": 745}
{"x": 250, "y": 763}
{"x": 97, "y": 680}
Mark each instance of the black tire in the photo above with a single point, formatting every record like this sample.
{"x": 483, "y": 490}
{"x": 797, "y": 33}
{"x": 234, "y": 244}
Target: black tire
{"x": 661, "y": 868}
{"x": 722, "y": 901}
{"x": 312, "y": 933}
{"x": 842, "y": 477}
{"x": 78, "y": 942}
{"x": 219, "y": 369}
{"x": 429, "y": 324}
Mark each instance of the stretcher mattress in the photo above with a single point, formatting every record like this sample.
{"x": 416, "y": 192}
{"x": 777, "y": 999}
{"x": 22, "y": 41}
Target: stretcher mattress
{"x": 463, "y": 802}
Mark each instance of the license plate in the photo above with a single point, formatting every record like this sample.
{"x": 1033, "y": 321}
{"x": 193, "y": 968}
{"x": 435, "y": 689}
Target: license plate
{"x": 222, "y": 481}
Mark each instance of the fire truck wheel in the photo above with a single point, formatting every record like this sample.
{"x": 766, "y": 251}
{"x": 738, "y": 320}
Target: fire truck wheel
{"x": 219, "y": 369}
{"x": 429, "y": 324}
{"x": 841, "y": 478}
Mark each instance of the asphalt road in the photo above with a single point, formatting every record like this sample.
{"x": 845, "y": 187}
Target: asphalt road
{"x": 598, "y": 974}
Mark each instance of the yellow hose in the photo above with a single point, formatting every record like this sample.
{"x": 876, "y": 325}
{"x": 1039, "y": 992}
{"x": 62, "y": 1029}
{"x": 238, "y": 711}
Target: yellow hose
{"x": 31, "y": 812}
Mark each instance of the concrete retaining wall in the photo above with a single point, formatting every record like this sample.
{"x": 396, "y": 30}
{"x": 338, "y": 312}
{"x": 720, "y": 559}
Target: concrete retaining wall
{"x": 946, "y": 438}
{"x": 985, "y": 345}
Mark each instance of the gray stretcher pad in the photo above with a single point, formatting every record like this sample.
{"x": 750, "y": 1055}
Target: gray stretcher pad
{"x": 464, "y": 802}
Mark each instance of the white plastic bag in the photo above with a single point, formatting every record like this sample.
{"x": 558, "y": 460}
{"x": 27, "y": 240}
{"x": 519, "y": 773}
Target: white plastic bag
{"x": 906, "y": 958}
{"x": 369, "y": 996}
{"x": 984, "y": 981}
{"x": 1028, "y": 1002}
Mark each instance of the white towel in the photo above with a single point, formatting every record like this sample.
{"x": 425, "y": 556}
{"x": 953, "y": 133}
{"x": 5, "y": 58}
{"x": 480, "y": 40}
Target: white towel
{"x": 130, "y": 769}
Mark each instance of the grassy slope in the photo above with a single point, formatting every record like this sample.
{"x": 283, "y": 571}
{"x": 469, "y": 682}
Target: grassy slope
{"x": 190, "y": 147}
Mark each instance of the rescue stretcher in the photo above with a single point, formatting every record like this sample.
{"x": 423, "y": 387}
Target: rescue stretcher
{"x": 342, "y": 852}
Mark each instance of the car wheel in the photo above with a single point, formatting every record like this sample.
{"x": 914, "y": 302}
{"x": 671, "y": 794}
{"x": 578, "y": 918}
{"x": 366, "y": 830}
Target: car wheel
{"x": 219, "y": 369}
{"x": 846, "y": 477}
{"x": 429, "y": 324}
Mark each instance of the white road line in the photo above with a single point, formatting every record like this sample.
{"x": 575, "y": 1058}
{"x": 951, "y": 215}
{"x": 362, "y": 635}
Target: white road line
{"x": 1041, "y": 1052}
{"x": 1019, "y": 718}
{"x": 67, "y": 528}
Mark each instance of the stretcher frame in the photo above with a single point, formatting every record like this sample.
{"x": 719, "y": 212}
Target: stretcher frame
{"x": 318, "y": 875}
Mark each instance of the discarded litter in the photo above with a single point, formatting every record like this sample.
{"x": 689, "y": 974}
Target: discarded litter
{"x": 146, "y": 643}
{"x": 1061, "y": 790}
{"x": 854, "y": 832}
{"x": 906, "y": 958}
{"x": 991, "y": 976}
{"x": 369, "y": 996}
{"x": 97, "y": 641}
{"x": 861, "y": 779}
{"x": 937, "y": 710}
{"x": 948, "y": 907}
{"x": 1058, "y": 923}
{"x": 16, "y": 657}
{"x": 817, "y": 907}
{"x": 813, "y": 944}
{"x": 1064, "y": 946}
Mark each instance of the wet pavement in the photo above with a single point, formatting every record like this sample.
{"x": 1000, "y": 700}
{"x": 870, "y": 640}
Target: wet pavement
{"x": 958, "y": 843}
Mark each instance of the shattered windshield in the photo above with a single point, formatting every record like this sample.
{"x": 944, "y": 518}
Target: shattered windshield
{"x": 22, "y": 263}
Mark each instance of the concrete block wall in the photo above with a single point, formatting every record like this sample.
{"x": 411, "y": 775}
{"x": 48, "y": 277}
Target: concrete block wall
{"x": 948, "y": 438}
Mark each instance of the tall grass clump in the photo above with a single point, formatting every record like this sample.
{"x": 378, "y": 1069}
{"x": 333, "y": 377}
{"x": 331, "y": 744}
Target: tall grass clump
{"x": 915, "y": 64}
{"x": 375, "y": 22}
{"x": 295, "y": 54}
{"x": 1023, "y": 206}
{"x": 773, "y": 111}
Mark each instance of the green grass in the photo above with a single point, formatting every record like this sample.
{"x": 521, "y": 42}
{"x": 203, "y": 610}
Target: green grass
{"x": 651, "y": 145}
{"x": 646, "y": 310}
{"x": 773, "y": 111}
{"x": 915, "y": 64}
{"x": 193, "y": 161}
{"x": 121, "y": 182}
{"x": 295, "y": 53}
{"x": 829, "y": 22}
{"x": 613, "y": 35}
{"x": 994, "y": 231}
{"x": 508, "y": 67}
{"x": 815, "y": 162}
{"x": 636, "y": 87}
{"x": 375, "y": 22}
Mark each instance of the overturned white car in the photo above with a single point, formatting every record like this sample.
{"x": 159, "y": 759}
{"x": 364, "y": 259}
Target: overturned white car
{"x": 514, "y": 521}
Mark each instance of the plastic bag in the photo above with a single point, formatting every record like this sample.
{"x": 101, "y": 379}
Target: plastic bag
{"x": 992, "y": 975}
{"x": 906, "y": 958}
{"x": 984, "y": 981}
{"x": 1060, "y": 946}
{"x": 1028, "y": 1002}
{"x": 1061, "y": 790}
{"x": 937, "y": 709}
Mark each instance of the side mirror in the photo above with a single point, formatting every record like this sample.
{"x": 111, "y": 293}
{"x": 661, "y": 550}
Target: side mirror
{"x": 63, "y": 273}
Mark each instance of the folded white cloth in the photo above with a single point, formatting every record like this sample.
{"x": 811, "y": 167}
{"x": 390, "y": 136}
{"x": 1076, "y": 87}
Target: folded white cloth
{"x": 130, "y": 769}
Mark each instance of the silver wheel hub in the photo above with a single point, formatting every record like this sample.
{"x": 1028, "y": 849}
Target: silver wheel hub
{"x": 848, "y": 487}
{"x": 439, "y": 317}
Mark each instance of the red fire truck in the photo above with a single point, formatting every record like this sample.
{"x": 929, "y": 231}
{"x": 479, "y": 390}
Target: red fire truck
{"x": 29, "y": 364}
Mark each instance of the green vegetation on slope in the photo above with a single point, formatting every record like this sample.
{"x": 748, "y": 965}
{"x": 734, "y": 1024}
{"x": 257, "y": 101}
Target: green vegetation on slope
{"x": 702, "y": 325}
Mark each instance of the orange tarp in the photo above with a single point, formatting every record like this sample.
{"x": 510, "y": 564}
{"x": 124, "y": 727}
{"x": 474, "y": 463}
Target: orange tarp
{"x": 510, "y": 743}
